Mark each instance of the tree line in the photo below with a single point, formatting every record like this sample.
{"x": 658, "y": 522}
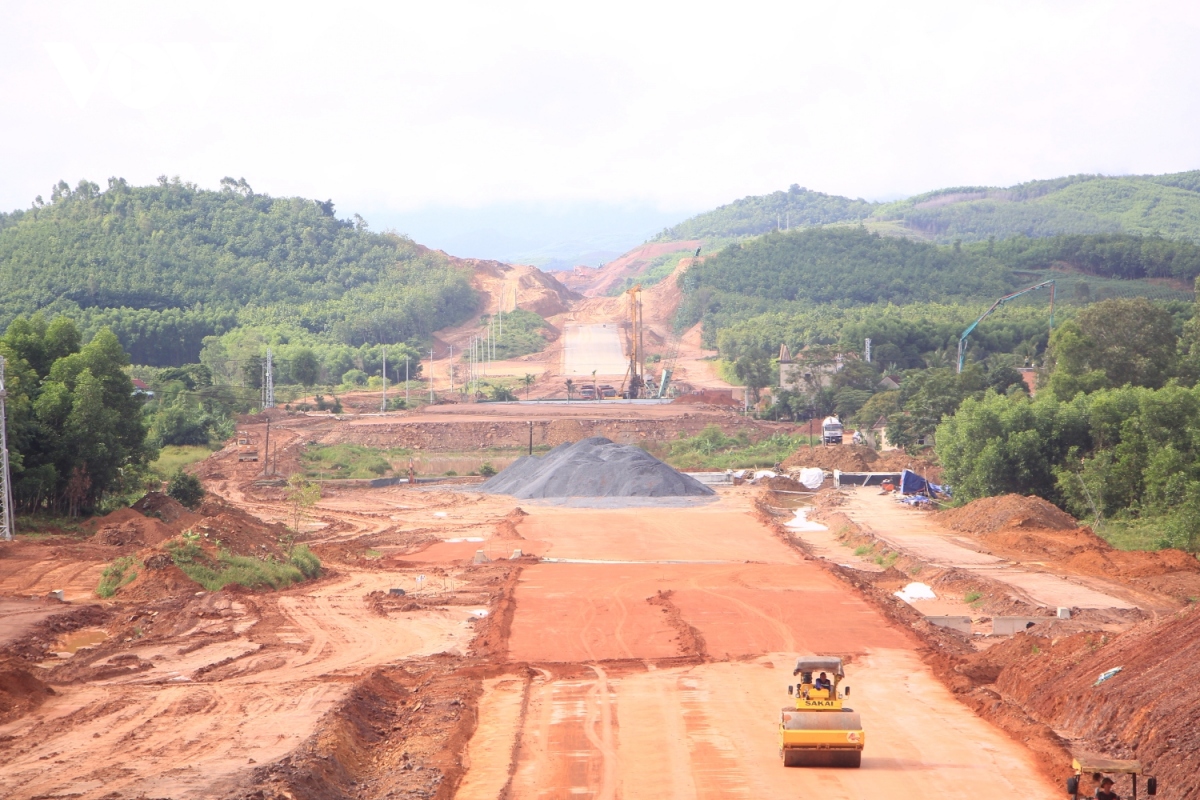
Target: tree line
{"x": 167, "y": 265}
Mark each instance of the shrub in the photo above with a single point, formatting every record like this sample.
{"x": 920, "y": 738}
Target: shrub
{"x": 249, "y": 571}
{"x": 186, "y": 488}
{"x": 117, "y": 574}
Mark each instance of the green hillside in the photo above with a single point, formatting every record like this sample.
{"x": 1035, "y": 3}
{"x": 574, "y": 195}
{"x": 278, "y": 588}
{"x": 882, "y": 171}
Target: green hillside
{"x": 167, "y": 265}
{"x": 750, "y": 216}
{"x": 1147, "y": 205}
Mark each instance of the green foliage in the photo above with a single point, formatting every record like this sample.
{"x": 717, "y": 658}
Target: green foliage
{"x": 487, "y": 470}
{"x": 524, "y": 332}
{"x": 249, "y": 571}
{"x": 750, "y": 216}
{"x": 1149, "y": 205}
{"x": 171, "y": 459}
{"x": 165, "y": 266}
{"x": 302, "y": 494}
{"x": 847, "y": 267}
{"x": 75, "y": 428}
{"x": 1121, "y": 256}
{"x": 186, "y": 488}
{"x": 305, "y": 560}
{"x": 120, "y": 572}
{"x": 347, "y": 461}
{"x": 1112, "y": 343}
{"x": 1007, "y": 443}
{"x": 500, "y": 393}
{"x": 711, "y": 448}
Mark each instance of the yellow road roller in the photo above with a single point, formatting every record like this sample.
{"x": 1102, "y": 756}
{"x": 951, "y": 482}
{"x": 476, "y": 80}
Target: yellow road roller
{"x": 819, "y": 731}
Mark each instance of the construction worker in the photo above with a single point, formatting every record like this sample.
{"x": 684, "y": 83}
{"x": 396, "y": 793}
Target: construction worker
{"x": 1104, "y": 790}
{"x": 823, "y": 682}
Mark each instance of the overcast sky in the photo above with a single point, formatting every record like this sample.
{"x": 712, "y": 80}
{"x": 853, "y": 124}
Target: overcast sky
{"x": 635, "y": 111}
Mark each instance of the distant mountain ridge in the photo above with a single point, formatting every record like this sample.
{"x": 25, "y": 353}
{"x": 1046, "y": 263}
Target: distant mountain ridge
{"x": 1149, "y": 205}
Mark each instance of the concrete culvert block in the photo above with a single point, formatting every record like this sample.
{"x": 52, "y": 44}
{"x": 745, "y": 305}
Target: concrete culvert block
{"x": 1064, "y": 612}
{"x": 1007, "y": 626}
{"x": 955, "y": 623}
{"x": 517, "y": 553}
{"x": 59, "y": 595}
{"x": 481, "y": 557}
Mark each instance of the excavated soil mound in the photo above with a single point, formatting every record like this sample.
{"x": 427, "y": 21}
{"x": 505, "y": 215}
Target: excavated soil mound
{"x": 20, "y": 692}
{"x": 167, "y": 509}
{"x": 126, "y": 526}
{"x": 847, "y": 458}
{"x": 1150, "y": 710}
{"x": 593, "y": 467}
{"x": 990, "y": 514}
{"x": 710, "y": 397}
{"x": 238, "y": 532}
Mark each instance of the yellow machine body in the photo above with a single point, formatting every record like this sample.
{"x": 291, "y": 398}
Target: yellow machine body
{"x": 820, "y": 731}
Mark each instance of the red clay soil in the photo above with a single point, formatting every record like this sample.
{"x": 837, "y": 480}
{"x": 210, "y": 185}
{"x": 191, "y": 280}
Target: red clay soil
{"x": 722, "y": 398}
{"x": 990, "y": 514}
{"x": 20, "y": 691}
{"x": 1149, "y": 711}
{"x": 1032, "y": 528}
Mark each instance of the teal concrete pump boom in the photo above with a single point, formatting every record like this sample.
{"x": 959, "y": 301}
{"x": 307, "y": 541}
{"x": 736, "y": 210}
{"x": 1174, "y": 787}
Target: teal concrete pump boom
{"x": 962, "y": 341}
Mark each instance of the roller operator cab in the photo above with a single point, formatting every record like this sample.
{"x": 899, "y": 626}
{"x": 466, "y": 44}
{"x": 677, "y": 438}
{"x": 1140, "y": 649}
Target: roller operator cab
{"x": 819, "y": 730}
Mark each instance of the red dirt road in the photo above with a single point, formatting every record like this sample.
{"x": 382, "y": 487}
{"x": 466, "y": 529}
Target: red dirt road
{"x": 617, "y": 710}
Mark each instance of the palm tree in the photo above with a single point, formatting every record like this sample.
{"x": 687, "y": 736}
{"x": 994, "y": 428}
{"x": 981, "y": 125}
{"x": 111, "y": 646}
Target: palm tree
{"x": 570, "y": 389}
{"x": 528, "y": 381}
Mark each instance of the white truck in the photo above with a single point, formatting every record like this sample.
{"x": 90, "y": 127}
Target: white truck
{"x": 831, "y": 430}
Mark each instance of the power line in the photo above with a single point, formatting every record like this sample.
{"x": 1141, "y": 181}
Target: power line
{"x": 7, "y": 517}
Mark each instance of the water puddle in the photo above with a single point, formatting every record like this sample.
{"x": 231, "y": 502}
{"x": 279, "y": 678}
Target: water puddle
{"x": 73, "y": 642}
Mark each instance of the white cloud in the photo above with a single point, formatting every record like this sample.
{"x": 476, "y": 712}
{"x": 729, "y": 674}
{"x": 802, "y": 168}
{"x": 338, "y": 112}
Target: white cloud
{"x": 396, "y": 107}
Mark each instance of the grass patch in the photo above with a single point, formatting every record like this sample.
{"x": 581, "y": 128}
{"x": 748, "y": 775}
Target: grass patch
{"x": 522, "y": 334}
{"x": 725, "y": 372}
{"x": 862, "y": 550}
{"x": 972, "y": 596}
{"x": 342, "y": 461}
{"x": 712, "y": 449}
{"x": 117, "y": 574}
{"x": 373, "y": 554}
{"x": 173, "y": 458}
{"x": 249, "y": 571}
{"x": 1133, "y": 534}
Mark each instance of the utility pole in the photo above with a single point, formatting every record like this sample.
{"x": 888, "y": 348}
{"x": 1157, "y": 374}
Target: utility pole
{"x": 384, "y": 407}
{"x": 451, "y": 369}
{"x": 269, "y": 383}
{"x": 267, "y": 448}
{"x": 8, "y": 518}
{"x": 406, "y": 381}
{"x": 431, "y": 363}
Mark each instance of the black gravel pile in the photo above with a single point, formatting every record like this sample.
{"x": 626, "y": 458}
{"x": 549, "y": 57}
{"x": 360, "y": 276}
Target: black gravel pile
{"x": 593, "y": 467}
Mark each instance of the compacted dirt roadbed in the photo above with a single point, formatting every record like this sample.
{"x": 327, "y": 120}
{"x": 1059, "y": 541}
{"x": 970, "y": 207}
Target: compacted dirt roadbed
{"x": 662, "y": 675}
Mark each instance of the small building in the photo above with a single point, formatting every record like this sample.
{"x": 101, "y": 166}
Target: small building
{"x": 808, "y": 371}
{"x": 140, "y": 389}
{"x": 889, "y": 383}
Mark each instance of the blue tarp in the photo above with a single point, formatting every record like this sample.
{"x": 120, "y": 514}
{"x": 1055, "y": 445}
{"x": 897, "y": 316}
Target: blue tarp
{"x": 912, "y": 483}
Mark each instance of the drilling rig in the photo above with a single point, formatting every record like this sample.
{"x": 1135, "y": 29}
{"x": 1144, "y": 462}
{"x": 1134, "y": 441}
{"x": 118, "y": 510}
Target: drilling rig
{"x": 634, "y": 385}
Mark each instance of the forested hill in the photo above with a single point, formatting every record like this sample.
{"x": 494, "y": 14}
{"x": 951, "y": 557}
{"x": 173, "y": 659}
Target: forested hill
{"x": 168, "y": 264}
{"x": 848, "y": 266}
{"x": 750, "y": 216}
{"x": 1147, "y": 205}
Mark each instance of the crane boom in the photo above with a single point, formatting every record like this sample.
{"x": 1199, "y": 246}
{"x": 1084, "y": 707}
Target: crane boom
{"x": 962, "y": 341}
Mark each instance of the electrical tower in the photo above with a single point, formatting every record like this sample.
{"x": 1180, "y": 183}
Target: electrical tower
{"x": 7, "y": 516}
{"x": 269, "y": 382}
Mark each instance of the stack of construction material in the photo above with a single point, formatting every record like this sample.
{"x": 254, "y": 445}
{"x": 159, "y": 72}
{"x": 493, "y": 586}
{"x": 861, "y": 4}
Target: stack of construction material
{"x": 594, "y": 467}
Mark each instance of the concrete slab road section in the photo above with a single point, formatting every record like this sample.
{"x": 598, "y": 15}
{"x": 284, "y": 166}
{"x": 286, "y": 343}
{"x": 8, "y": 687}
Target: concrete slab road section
{"x": 593, "y": 347}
